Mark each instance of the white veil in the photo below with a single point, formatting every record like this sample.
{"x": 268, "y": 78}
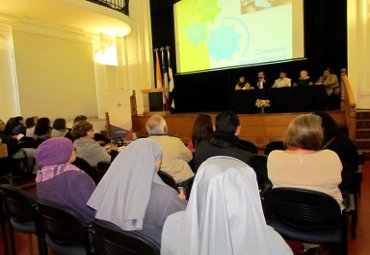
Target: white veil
{"x": 122, "y": 195}
{"x": 224, "y": 214}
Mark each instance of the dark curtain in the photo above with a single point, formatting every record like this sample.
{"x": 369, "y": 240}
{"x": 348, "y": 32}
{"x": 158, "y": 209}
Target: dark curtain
{"x": 325, "y": 25}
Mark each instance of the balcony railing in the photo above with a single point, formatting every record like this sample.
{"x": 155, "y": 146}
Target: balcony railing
{"x": 118, "y": 5}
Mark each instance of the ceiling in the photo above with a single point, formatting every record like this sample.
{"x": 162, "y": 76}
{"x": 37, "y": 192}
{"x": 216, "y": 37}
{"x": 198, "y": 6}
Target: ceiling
{"x": 71, "y": 14}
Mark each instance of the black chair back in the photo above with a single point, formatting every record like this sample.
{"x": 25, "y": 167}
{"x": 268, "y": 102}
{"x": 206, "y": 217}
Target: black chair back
{"x": 20, "y": 207}
{"x": 101, "y": 168}
{"x": 348, "y": 183}
{"x": 274, "y": 145}
{"x": 2, "y": 223}
{"x": 168, "y": 179}
{"x": 111, "y": 240}
{"x": 308, "y": 216}
{"x": 64, "y": 227}
{"x": 259, "y": 164}
{"x": 87, "y": 168}
{"x": 304, "y": 209}
{"x": 19, "y": 204}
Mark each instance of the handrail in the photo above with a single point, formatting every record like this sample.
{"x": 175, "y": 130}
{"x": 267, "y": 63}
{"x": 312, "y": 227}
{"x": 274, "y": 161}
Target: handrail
{"x": 349, "y": 106}
{"x": 118, "y": 5}
{"x": 107, "y": 126}
{"x": 133, "y": 104}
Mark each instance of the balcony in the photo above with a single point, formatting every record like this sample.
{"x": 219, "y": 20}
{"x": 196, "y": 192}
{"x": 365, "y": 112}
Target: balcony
{"x": 109, "y": 17}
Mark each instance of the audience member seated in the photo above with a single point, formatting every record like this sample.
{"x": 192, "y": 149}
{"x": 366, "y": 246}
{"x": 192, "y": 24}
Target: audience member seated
{"x": 61, "y": 182}
{"x": 12, "y": 148}
{"x": 42, "y": 129}
{"x": 132, "y": 195}
{"x": 176, "y": 155}
{"x": 18, "y": 126}
{"x": 304, "y": 79}
{"x": 261, "y": 82}
{"x": 202, "y": 131}
{"x": 10, "y": 141}
{"x": 330, "y": 81}
{"x": 30, "y": 126}
{"x": 60, "y": 129}
{"x": 338, "y": 142}
{"x": 17, "y": 150}
{"x": 86, "y": 147}
{"x": 282, "y": 81}
{"x": 79, "y": 118}
{"x": 242, "y": 84}
{"x": 224, "y": 141}
{"x": 99, "y": 138}
{"x": 224, "y": 215}
{"x": 304, "y": 164}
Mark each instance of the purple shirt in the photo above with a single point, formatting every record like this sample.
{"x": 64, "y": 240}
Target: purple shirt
{"x": 71, "y": 189}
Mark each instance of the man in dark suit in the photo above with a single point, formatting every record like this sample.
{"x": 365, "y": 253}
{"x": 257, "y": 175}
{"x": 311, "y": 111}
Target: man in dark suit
{"x": 224, "y": 141}
{"x": 261, "y": 82}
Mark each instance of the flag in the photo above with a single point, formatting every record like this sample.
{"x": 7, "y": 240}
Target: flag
{"x": 158, "y": 74}
{"x": 170, "y": 77}
{"x": 165, "y": 81}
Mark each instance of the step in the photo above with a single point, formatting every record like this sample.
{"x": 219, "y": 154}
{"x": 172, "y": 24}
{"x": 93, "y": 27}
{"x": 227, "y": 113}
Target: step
{"x": 362, "y": 144}
{"x": 362, "y": 133}
{"x": 361, "y": 124}
{"x": 363, "y": 114}
{"x": 367, "y": 153}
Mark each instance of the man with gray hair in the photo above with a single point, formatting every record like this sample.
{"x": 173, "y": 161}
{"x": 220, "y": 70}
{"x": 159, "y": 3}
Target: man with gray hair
{"x": 175, "y": 154}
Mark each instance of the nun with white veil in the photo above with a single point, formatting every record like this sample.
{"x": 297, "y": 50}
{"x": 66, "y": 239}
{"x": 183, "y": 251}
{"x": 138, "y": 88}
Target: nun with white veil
{"x": 131, "y": 195}
{"x": 224, "y": 215}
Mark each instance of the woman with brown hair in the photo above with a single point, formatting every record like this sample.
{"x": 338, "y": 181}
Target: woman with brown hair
{"x": 86, "y": 147}
{"x": 202, "y": 131}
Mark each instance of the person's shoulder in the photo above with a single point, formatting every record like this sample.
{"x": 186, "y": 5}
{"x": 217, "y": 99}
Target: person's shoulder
{"x": 276, "y": 153}
{"x": 164, "y": 191}
{"x": 329, "y": 154}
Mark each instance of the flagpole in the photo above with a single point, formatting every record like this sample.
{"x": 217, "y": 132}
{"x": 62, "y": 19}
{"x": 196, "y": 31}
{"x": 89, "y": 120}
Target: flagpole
{"x": 158, "y": 74}
{"x": 165, "y": 81}
{"x": 171, "y": 83}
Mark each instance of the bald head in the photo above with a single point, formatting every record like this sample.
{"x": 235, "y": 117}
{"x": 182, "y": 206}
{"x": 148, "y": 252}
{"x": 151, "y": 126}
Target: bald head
{"x": 156, "y": 125}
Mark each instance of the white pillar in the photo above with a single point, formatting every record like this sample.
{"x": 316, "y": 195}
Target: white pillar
{"x": 9, "y": 103}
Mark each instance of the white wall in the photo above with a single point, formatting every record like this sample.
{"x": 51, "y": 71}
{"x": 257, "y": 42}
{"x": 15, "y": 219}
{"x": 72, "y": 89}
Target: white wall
{"x": 134, "y": 71}
{"x": 359, "y": 51}
{"x": 58, "y": 77}
{"x": 55, "y": 75}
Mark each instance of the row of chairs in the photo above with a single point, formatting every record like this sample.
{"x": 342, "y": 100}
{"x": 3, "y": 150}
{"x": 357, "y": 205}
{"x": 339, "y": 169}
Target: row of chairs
{"x": 61, "y": 229}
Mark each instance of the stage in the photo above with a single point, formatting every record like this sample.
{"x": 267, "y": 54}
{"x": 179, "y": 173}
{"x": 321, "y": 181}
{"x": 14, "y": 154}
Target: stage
{"x": 257, "y": 128}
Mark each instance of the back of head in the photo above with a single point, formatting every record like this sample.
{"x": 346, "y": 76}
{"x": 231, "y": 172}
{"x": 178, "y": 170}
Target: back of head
{"x": 81, "y": 128}
{"x": 202, "y": 128}
{"x": 42, "y": 126}
{"x": 329, "y": 126}
{"x": 54, "y": 151}
{"x": 30, "y": 122}
{"x": 10, "y": 124}
{"x": 59, "y": 124}
{"x": 156, "y": 125}
{"x": 305, "y": 132}
{"x": 224, "y": 191}
{"x": 18, "y": 119}
{"x": 227, "y": 122}
{"x": 79, "y": 118}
